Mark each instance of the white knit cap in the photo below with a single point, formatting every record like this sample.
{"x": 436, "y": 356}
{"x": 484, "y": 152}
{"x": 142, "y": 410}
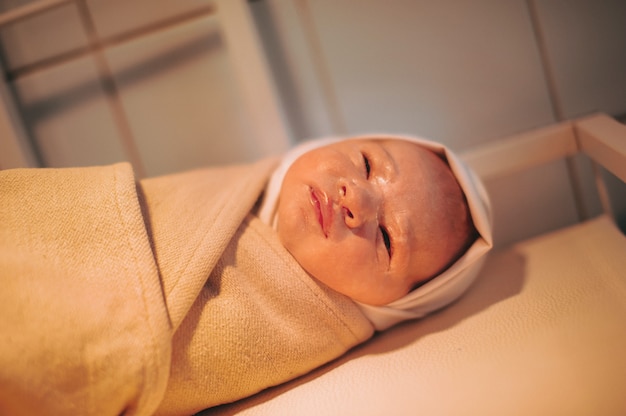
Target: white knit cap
{"x": 443, "y": 288}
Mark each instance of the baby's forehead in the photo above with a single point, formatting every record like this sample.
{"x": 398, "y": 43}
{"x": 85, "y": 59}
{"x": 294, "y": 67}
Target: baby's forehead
{"x": 419, "y": 152}
{"x": 427, "y": 175}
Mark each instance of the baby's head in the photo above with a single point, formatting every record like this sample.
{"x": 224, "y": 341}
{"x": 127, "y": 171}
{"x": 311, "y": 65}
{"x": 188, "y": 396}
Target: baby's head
{"x": 373, "y": 218}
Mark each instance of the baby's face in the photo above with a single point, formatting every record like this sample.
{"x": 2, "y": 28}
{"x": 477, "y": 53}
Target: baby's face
{"x": 357, "y": 216}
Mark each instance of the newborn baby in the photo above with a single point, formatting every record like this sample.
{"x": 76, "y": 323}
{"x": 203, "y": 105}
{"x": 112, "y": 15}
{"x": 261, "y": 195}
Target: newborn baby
{"x": 377, "y": 217}
{"x": 178, "y": 297}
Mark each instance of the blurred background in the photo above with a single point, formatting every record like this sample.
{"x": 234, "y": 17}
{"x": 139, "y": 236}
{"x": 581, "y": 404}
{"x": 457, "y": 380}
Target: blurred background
{"x": 173, "y": 85}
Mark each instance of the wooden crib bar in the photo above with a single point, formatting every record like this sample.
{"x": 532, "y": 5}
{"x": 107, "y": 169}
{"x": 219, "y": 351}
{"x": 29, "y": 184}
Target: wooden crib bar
{"x": 604, "y": 140}
{"x": 523, "y": 151}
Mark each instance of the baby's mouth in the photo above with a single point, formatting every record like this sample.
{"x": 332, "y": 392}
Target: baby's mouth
{"x": 318, "y": 201}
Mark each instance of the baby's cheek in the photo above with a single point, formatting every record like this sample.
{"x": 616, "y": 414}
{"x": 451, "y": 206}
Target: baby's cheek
{"x": 349, "y": 264}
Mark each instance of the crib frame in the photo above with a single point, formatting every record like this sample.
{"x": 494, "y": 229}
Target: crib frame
{"x": 598, "y": 136}
{"x": 251, "y": 72}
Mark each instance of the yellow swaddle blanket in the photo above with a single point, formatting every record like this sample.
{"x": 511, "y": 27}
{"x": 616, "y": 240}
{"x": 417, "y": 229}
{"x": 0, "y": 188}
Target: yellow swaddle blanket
{"x": 161, "y": 296}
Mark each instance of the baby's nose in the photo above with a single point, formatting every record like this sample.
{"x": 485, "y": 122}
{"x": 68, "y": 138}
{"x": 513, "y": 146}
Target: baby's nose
{"x": 359, "y": 202}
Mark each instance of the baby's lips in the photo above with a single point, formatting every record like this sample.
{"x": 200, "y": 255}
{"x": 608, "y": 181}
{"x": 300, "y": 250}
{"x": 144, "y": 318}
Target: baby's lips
{"x": 324, "y": 207}
{"x": 317, "y": 207}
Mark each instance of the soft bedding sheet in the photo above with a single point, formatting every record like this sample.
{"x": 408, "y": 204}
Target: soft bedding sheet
{"x": 162, "y": 296}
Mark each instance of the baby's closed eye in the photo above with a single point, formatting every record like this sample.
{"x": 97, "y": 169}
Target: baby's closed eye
{"x": 386, "y": 239}
{"x": 366, "y": 163}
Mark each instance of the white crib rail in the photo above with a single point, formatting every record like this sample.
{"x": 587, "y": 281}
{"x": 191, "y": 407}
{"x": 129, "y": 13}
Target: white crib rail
{"x": 28, "y": 10}
{"x": 604, "y": 140}
{"x": 523, "y": 151}
{"x": 599, "y": 136}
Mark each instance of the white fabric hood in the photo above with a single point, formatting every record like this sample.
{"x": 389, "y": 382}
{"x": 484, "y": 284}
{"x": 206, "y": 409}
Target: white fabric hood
{"x": 442, "y": 289}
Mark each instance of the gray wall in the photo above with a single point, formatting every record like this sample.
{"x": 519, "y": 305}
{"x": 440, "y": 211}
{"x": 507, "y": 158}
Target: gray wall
{"x": 461, "y": 72}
